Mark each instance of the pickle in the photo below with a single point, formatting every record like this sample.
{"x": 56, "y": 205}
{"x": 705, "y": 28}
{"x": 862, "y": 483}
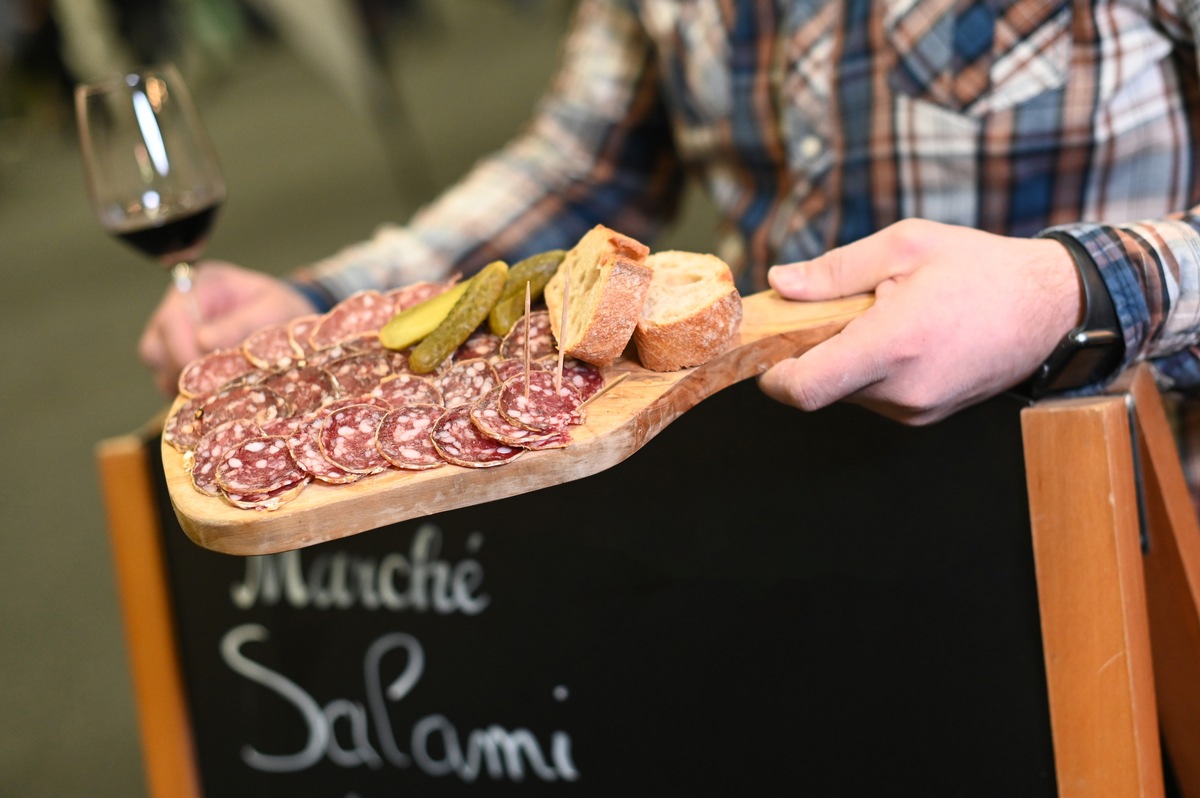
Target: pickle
{"x": 467, "y": 314}
{"x": 411, "y": 325}
{"x": 535, "y": 270}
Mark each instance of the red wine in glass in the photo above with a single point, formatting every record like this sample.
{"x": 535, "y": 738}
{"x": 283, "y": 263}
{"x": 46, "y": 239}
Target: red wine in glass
{"x": 176, "y": 239}
{"x": 173, "y": 239}
{"x": 152, "y": 173}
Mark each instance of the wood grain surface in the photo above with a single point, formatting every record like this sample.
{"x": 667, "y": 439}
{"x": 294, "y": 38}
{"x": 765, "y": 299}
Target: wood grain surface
{"x": 1091, "y": 595}
{"x": 638, "y": 405}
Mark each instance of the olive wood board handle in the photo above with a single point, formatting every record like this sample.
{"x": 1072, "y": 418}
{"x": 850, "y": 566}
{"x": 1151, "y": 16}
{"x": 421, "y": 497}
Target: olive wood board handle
{"x": 636, "y": 405}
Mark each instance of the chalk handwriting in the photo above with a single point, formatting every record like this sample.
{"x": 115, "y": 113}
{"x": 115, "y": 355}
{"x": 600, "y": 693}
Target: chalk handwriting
{"x": 341, "y": 729}
{"x": 417, "y": 582}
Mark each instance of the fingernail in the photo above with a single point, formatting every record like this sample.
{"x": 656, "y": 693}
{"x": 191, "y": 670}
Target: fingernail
{"x": 789, "y": 276}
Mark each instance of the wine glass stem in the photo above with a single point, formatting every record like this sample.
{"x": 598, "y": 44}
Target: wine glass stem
{"x": 182, "y": 275}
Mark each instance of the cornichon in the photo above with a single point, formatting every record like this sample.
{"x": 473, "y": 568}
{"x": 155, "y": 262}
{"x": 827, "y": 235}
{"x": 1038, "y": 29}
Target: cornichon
{"x": 535, "y": 270}
{"x": 467, "y": 314}
{"x": 409, "y": 326}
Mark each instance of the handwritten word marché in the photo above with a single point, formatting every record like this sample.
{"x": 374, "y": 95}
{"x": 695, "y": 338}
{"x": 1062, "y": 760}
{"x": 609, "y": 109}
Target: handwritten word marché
{"x": 417, "y": 582}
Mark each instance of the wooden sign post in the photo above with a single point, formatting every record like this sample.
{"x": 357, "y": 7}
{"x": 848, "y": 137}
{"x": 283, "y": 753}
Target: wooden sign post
{"x": 150, "y": 627}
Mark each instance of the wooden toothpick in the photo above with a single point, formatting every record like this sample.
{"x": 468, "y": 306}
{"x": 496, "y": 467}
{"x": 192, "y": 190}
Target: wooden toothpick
{"x": 527, "y": 290}
{"x": 563, "y": 326}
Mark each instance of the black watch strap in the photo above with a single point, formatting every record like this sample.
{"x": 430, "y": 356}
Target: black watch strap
{"x": 1096, "y": 347}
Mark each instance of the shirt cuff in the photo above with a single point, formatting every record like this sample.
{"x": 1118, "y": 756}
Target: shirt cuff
{"x": 320, "y": 298}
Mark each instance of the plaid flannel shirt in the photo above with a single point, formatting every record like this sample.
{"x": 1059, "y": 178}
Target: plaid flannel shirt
{"x": 815, "y": 123}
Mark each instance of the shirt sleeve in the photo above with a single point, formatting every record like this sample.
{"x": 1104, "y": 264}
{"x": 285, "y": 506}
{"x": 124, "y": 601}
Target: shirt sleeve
{"x": 1152, "y": 270}
{"x": 598, "y": 150}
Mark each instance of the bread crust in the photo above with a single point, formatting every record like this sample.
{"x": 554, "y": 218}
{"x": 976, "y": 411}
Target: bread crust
{"x": 609, "y": 281}
{"x": 679, "y": 337}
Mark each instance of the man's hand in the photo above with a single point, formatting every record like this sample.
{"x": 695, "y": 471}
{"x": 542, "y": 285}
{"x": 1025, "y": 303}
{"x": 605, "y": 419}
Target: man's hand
{"x": 959, "y": 316}
{"x": 225, "y": 305}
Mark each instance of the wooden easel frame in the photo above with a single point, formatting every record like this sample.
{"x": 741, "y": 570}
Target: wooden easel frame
{"x": 134, "y": 531}
{"x": 1103, "y": 476}
{"x": 1117, "y": 551}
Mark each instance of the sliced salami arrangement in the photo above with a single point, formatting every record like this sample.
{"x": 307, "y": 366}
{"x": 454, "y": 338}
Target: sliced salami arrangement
{"x": 322, "y": 400}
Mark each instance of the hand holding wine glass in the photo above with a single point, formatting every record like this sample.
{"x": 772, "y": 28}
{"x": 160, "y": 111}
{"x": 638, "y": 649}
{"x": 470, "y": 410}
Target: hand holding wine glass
{"x": 152, "y": 173}
{"x": 237, "y": 301}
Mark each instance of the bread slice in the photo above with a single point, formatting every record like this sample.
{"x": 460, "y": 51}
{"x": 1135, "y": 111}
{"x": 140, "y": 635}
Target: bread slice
{"x": 692, "y": 312}
{"x": 608, "y": 284}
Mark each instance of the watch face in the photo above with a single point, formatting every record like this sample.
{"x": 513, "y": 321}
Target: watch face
{"x": 1083, "y": 358}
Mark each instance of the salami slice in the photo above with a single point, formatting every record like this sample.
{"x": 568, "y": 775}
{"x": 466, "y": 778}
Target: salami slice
{"x": 544, "y": 409}
{"x": 364, "y": 342}
{"x": 466, "y": 381}
{"x": 334, "y": 353}
{"x": 361, "y": 373}
{"x": 306, "y": 451}
{"x": 403, "y": 390}
{"x": 270, "y": 500}
{"x": 257, "y": 465}
{"x": 209, "y": 373}
{"x": 404, "y": 439}
{"x": 398, "y": 359}
{"x": 182, "y": 427}
{"x": 479, "y": 344}
{"x": 486, "y": 417}
{"x": 366, "y": 311}
{"x": 213, "y": 447}
{"x": 347, "y": 401}
{"x": 347, "y": 439}
{"x": 245, "y": 401}
{"x": 541, "y": 340}
{"x": 272, "y": 348}
{"x": 412, "y": 295}
{"x": 306, "y": 388}
{"x": 460, "y": 442}
{"x": 284, "y": 427}
{"x": 253, "y": 377}
{"x": 510, "y": 367}
{"x": 584, "y": 377}
{"x": 399, "y": 362}
{"x": 300, "y": 331}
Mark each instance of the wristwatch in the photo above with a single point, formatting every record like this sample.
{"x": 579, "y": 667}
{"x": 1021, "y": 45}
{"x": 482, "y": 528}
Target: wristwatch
{"x": 1095, "y": 348}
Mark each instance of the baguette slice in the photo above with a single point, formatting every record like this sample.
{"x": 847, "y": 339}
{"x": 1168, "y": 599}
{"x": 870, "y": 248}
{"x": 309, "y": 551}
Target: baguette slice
{"x": 692, "y": 312}
{"x": 608, "y": 284}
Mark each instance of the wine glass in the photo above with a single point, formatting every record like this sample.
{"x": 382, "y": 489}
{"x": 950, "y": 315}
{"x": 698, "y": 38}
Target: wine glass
{"x": 152, "y": 173}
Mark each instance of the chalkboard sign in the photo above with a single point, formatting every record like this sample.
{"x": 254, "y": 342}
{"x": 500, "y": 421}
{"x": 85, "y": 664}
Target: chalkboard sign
{"x": 760, "y": 599}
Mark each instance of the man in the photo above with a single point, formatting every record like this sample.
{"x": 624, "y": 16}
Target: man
{"x": 919, "y": 150}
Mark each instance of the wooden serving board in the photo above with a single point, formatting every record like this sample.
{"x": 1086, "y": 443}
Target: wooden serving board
{"x": 638, "y": 405}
